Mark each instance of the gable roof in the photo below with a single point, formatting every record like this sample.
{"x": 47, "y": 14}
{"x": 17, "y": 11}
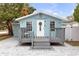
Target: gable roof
{"x": 47, "y": 13}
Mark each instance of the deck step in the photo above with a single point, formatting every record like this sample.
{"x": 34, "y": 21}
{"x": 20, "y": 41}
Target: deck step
{"x": 41, "y": 40}
{"x": 41, "y": 47}
{"x": 41, "y": 44}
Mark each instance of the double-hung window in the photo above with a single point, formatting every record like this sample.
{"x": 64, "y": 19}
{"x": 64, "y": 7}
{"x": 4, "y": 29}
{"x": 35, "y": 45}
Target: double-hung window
{"x": 52, "y": 26}
{"x": 29, "y": 26}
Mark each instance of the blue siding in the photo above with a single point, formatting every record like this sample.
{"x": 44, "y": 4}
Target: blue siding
{"x": 46, "y": 18}
{"x": 23, "y": 23}
{"x": 34, "y": 26}
{"x": 47, "y": 27}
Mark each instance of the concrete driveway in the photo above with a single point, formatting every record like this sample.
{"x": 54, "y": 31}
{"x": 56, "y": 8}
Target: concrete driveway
{"x": 10, "y": 47}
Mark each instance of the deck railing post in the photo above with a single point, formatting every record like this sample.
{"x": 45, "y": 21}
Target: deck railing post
{"x": 50, "y": 36}
{"x": 20, "y": 36}
{"x": 32, "y": 39}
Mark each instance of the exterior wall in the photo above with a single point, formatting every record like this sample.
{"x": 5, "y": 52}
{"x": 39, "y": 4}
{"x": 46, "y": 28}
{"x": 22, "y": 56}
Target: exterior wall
{"x": 46, "y": 18}
{"x": 16, "y": 30}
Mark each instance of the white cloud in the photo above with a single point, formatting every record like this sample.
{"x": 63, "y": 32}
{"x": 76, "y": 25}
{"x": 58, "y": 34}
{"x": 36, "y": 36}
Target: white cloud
{"x": 55, "y": 13}
{"x": 51, "y": 12}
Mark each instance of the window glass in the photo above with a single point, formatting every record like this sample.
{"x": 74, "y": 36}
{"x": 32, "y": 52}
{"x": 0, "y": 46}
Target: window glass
{"x": 52, "y": 26}
{"x": 29, "y": 26}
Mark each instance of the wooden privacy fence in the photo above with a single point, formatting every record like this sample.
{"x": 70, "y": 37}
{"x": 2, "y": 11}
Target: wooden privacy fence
{"x": 72, "y": 33}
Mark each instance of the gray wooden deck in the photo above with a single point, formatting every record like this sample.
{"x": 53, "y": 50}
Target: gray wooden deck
{"x": 25, "y": 36}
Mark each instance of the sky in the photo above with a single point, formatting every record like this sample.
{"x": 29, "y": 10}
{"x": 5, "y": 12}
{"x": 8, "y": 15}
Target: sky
{"x": 60, "y": 9}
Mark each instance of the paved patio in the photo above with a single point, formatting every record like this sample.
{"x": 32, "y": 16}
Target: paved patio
{"x": 9, "y": 47}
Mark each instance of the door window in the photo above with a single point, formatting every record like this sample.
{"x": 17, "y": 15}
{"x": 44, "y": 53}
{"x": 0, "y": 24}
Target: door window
{"x": 40, "y": 24}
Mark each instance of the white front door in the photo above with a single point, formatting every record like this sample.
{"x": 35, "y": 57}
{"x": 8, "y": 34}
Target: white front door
{"x": 40, "y": 28}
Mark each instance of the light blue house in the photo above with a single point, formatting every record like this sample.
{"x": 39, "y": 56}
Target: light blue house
{"x": 40, "y": 25}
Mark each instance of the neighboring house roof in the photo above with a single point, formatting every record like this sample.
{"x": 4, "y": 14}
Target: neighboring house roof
{"x": 47, "y": 13}
{"x": 70, "y": 20}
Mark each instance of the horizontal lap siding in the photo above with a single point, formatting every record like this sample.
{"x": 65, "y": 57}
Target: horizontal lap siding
{"x": 46, "y": 19}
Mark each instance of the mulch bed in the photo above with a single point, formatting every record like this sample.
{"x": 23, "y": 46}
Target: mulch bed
{"x": 4, "y": 36}
{"x": 73, "y": 43}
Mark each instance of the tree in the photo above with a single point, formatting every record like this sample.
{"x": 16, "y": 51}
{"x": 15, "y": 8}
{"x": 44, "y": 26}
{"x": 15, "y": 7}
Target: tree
{"x": 27, "y": 10}
{"x": 76, "y": 13}
{"x": 10, "y": 11}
